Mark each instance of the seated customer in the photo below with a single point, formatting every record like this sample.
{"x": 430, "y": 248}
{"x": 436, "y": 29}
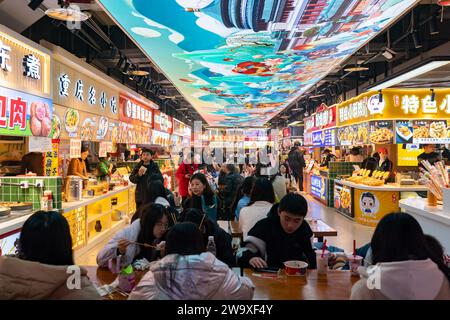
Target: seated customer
{"x": 242, "y": 198}
{"x": 282, "y": 236}
{"x": 189, "y": 273}
{"x": 408, "y": 268}
{"x": 156, "y": 193}
{"x": 150, "y": 228}
{"x": 262, "y": 199}
{"x": 208, "y": 228}
{"x": 41, "y": 269}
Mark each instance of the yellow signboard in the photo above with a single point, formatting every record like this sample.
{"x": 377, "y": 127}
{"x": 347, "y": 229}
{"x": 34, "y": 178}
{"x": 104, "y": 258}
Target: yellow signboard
{"x": 407, "y": 155}
{"x": 396, "y": 104}
{"x": 51, "y": 161}
{"x": 372, "y": 206}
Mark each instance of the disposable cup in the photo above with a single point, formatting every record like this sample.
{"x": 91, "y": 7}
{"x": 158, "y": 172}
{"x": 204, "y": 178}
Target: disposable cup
{"x": 355, "y": 262}
{"x": 322, "y": 261}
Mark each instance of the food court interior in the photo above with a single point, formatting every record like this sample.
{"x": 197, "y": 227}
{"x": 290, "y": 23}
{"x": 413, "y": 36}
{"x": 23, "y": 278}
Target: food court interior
{"x": 236, "y": 111}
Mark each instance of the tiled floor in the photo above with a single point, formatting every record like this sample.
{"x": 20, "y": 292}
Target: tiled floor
{"x": 347, "y": 231}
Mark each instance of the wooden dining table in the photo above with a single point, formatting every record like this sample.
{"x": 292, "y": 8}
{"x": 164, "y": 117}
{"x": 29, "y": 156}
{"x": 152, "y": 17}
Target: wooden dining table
{"x": 335, "y": 285}
{"x": 319, "y": 228}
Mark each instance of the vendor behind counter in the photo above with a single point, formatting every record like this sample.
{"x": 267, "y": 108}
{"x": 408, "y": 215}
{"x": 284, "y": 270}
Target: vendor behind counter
{"x": 33, "y": 162}
{"x": 77, "y": 166}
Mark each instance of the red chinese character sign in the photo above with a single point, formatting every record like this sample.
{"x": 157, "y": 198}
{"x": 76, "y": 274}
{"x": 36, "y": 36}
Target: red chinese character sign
{"x": 325, "y": 117}
{"x": 23, "y": 114}
{"x": 134, "y": 112}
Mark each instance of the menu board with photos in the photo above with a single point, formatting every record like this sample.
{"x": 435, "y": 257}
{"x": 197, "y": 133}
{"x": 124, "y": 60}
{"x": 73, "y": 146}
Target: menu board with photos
{"x": 382, "y": 132}
{"x": 129, "y": 133}
{"x": 353, "y": 135}
{"x": 431, "y": 131}
{"x": 404, "y": 131}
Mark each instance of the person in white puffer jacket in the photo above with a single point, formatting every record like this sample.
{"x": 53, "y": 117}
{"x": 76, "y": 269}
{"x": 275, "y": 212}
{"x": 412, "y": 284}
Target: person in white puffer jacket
{"x": 406, "y": 266}
{"x": 189, "y": 273}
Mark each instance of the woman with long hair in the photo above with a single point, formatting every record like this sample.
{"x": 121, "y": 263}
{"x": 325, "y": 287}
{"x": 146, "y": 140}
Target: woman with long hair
{"x": 150, "y": 229}
{"x": 262, "y": 199}
{"x": 407, "y": 267}
{"x": 202, "y": 198}
{"x": 242, "y": 198}
{"x": 40, "y": 269}
{"x": 189, "y": 273}
{"x": 222, "y": 239}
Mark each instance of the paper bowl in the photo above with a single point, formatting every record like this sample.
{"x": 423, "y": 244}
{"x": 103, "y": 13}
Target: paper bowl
{"x": 295, "y": 267}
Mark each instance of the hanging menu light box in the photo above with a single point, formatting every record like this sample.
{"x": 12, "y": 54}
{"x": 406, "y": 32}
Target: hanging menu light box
{"x": 24, "y": 67}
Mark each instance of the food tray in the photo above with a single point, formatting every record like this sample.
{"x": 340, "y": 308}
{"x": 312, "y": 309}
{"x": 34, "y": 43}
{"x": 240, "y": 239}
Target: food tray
{"x": 17, "y": 206}
{"x": 4, "y": 211}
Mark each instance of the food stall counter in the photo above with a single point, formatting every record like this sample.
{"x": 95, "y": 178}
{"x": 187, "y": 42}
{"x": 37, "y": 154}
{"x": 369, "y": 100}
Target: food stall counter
{"x": 368, "y": 204}
{"x": 434, "y": 220}
{"x": 386, "y": 187}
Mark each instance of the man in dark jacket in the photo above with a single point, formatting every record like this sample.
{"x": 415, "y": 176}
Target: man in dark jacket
{"x": 144, "y": 172}
{"x": 296, "y": 162}
{"x": 233, "y": 181}
{"x": 282, "y": 236}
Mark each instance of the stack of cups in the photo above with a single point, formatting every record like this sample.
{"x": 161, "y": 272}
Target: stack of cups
{"x": 322, "y": 261}
{"x": 355, "y": 262}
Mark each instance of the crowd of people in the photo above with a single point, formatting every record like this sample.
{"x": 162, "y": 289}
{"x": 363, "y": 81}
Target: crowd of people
{"x": 272, "y": 218}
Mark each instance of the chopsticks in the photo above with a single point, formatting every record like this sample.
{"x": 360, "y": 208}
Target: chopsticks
{"x": 143, "y": 244}
{"x": 174, "y": 218}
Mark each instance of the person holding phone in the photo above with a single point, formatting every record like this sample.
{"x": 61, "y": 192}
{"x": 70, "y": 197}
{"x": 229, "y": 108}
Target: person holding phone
{"x": 184, "y": 173}
{"x": 284, "y": 235}
{"x": 145, "y": 171}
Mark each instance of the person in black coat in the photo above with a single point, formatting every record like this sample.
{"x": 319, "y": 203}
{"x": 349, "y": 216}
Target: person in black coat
{"x": 282, "y": 236}
{"x": 143, "y": 173}
{"x": 233, "y": 180}
{"x": 296, "y": 161}
{"x": 430, "y": 154}
{"x": 224, "y": 250}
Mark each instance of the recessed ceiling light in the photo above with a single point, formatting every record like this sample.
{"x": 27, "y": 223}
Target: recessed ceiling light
{"x": 356, "y": 69}
{"x": 139, "y": 73}
{"x": 67, "y": 14}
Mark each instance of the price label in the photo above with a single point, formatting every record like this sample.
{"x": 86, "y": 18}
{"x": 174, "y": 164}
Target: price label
{"x": 39, "y": 144}
{"x": 103, "y": 149}
{"x": 75, "y": 148}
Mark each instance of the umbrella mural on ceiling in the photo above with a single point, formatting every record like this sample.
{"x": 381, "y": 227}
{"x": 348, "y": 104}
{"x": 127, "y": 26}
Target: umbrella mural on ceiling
{"x": 241, "y": 62}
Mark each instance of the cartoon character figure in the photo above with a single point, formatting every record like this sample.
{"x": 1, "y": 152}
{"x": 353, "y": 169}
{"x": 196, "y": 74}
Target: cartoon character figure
{"x": 253, "y": 67}
{"x": 368, "y": 204}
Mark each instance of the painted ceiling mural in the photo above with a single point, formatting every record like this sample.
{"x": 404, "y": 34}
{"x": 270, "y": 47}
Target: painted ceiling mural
{"x": 241, "y": 62}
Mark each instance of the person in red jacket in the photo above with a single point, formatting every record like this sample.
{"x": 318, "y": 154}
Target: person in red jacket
{"x": 184, "y": 173}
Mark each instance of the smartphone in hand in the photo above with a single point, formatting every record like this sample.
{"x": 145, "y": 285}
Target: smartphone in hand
{"x": 268, "y": 270}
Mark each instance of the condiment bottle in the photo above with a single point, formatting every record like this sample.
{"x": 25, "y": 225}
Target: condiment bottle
{"x": 49, "y": 195}
{"x": 44, "y": 203}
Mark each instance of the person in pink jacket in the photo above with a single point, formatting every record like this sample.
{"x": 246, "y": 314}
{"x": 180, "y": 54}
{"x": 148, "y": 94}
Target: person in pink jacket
{"x": 44, "y": 267}
{"x": 189, "y": 273}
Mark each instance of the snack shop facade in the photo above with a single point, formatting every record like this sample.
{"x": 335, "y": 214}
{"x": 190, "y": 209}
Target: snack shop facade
{"x": 26, "y": 112}
{"x": 52, "y": 103}
{"x": 398, "y": 120}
